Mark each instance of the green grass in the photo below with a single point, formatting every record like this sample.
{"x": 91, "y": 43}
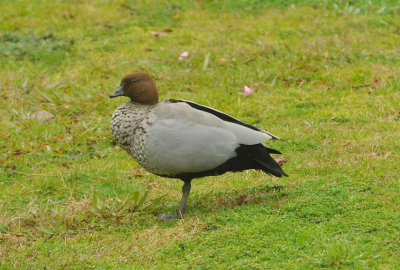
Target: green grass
{"x": 326, "y": 79}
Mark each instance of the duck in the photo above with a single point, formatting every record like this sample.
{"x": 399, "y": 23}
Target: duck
{"x": 181, "y": 139}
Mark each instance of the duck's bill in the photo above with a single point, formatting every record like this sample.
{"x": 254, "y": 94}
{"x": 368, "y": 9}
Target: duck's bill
{"x": 118, "y": 92}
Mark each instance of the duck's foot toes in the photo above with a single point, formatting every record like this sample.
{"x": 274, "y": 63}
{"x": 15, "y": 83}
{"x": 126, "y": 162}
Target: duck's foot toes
{"x": 167, "y": 216}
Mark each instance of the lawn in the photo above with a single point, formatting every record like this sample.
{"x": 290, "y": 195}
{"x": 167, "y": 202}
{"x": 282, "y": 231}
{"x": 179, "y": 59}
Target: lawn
{"x": 325, "y": 76}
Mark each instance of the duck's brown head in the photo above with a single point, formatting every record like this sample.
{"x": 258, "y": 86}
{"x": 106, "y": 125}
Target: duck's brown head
{"x": 139, "y": 87}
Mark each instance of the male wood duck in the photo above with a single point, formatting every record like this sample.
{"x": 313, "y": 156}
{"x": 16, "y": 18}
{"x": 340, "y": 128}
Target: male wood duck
{"x": 185, "y": 140}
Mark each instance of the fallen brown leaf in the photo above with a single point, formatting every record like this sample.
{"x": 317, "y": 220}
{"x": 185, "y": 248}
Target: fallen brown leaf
{"x": 127, "y": 7}
{"x": 45, "y": 80}
{"x": 11, "y": 169}
{"x": 14, "y": 237}
{"x": 137, "y": 172}
{"x": 58, "y": 151}
{"x": 241, "y": 200}
{"x": 160, "y": 33}
{"x": 17, "y": 152}
{"x": 221, "y": 201}
{"x": 280, "y": 161}
{"x": 41, "y": 115}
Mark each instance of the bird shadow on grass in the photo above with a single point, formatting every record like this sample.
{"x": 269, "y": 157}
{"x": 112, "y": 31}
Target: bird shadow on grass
{"x": 223, "y": 200}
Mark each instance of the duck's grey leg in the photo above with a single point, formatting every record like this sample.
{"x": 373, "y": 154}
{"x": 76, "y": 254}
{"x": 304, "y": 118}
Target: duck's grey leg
{"x": 182, "y": 206}
{"x": 185, "y": 195}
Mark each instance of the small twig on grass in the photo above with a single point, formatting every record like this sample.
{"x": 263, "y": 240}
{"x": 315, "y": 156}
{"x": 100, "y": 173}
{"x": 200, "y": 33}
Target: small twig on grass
{"x": 127, "y": 7}
{"x": 360, "y": 85}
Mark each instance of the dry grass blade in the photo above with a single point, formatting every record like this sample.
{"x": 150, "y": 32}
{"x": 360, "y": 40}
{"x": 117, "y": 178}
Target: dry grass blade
{"x": 160, "y": 33}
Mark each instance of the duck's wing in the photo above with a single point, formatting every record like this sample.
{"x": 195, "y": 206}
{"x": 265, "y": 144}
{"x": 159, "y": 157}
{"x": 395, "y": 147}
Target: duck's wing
{"x": 183, "y": 139}
{"x": 222, "y": 116}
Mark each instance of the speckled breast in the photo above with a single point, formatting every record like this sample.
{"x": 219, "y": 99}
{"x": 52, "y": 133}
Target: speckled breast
{"x": 130, "y": 125}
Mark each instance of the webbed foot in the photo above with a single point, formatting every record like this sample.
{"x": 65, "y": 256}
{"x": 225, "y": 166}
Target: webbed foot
{"x": 182, "y": 206}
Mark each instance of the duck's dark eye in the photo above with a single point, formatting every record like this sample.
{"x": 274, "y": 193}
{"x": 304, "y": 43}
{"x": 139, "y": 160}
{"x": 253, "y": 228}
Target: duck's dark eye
{"x": 135, "y": 80}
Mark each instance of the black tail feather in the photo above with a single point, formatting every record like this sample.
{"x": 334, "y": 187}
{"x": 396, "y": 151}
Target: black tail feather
{"x": 260, "y": 155}
{"x": 271, "y": 167}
